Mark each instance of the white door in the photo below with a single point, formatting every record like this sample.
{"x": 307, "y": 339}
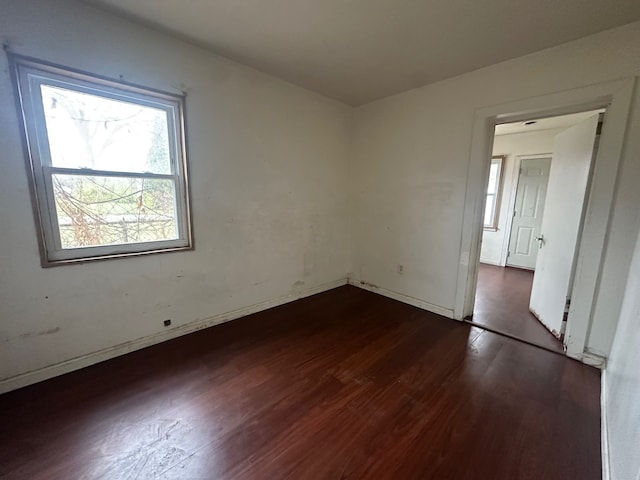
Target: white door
{"x": 527, "y": 214}
{"x": 566, "y": 193}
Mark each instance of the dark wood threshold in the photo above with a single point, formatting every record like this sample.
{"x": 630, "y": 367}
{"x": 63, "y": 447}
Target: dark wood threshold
{"x": 470, "y": 321}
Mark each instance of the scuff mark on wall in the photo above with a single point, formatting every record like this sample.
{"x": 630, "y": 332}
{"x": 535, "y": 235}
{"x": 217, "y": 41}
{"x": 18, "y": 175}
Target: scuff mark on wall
{"x": 368, "y": 284}
{"x": 51, "y": 331}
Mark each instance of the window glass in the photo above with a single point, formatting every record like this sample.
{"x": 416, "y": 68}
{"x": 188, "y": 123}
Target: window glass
{"x": 493, "y": 192}
{"x": 489, "y": 209}
{"x": 494, "y": 176}
{"x": 112, "y": 210}
{"x": 90, "y": 131}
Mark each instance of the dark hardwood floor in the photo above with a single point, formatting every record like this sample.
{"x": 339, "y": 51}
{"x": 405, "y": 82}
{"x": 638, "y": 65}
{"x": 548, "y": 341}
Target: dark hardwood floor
{"x": 342, "y": 385}
{"x": 502, "y": 303}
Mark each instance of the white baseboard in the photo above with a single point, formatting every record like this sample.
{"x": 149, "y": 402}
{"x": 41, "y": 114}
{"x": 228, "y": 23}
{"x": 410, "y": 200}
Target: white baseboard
{"x": 604, "y": 427}
{"x": 416, "y": 302}
{"x": 34, "y": 376}
{"x": 489, "y": 262}
{"x": 591, "y": 359}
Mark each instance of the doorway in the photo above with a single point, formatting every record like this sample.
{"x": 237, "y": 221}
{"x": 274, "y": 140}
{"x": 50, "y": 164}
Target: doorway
{"x": 588, "y": 294}
{"x": 536, "y": 194}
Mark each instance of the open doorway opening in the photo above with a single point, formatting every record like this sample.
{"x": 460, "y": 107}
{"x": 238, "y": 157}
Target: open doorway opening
{"x": 538, "y": 184}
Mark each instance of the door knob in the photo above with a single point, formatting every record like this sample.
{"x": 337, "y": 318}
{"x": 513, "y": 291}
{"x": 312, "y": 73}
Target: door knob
{"x": 540, "y": 240}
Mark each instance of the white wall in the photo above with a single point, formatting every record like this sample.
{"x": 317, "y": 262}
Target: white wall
{"x": 494, "y": 243}
{"x": 622, "y": 384}
{"x": 411, "y": 156}
{"x": 268, "y": 166}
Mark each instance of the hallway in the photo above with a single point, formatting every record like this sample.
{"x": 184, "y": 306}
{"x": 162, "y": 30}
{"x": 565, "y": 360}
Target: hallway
{"x": 502, "y": 303}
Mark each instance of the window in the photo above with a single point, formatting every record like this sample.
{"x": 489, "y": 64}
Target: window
{"x": 494, "y": 190}
{"x": 106, "y": 162}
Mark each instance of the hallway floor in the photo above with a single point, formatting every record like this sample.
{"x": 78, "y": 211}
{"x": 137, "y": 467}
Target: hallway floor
{"x": 502, "y": 303}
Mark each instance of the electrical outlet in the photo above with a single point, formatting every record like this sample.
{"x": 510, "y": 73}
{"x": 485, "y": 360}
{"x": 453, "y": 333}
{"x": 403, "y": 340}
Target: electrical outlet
{"x": 167, "y": 323}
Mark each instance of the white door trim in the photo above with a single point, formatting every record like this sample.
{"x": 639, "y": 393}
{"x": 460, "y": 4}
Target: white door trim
{"x": 615, "y": 96}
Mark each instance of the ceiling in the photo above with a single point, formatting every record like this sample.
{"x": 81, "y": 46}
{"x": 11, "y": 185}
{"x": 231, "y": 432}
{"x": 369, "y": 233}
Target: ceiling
{"x": 357, "y": 51}
{"x": 561, "y": 121}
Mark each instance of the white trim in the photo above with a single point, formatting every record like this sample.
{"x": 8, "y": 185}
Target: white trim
{"x": 591, "y": 359}
{"x": 604, "y": 427}
{"x": 616, "y": 97}
{"x": 416, "y": 302}
{"x": 82, "y": 361}
{"x": 488, "y": 262}
{"x": 597, "y": 218}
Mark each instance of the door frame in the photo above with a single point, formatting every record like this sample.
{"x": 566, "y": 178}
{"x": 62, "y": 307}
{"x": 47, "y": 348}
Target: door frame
{"x": 511, "y": 205}
{"x": 616, "y": 97}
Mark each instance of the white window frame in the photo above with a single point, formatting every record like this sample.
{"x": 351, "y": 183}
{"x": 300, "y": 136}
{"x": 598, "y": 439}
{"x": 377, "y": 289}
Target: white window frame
{"x": 28, "y": 75}
{"x": 497, "y": 197}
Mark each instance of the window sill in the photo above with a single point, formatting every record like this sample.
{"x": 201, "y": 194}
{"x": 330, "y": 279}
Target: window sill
{"x": 71, "y": 261}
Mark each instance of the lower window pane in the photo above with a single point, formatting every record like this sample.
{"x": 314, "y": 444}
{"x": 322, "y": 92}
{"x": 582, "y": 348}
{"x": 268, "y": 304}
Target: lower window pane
{"x": 488, "y": 211}
{"x": 95, "y": 210}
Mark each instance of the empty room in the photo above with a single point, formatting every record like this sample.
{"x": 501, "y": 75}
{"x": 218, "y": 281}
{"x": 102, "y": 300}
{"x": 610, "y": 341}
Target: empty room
{"x": 268, "y": 240}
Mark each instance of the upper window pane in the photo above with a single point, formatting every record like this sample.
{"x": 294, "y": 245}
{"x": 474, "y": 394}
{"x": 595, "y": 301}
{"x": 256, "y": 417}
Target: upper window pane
{"x": 494, "y": 177}
{"x": 101, "y": 133}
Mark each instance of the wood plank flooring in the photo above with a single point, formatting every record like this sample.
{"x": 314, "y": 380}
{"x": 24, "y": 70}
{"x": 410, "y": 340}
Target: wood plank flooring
{"x": 502, "y": 303}
{"x": 342, "y": 385}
